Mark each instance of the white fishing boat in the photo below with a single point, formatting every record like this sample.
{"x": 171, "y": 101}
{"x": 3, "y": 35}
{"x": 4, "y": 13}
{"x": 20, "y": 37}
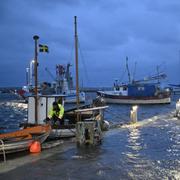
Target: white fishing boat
{"x": 39, "y": 106}
{"x": 62, "y": 84}
{"x": 71, "y": 115}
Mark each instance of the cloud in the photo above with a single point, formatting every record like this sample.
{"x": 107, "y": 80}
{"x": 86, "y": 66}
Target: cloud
{"x": 108, "y": 31}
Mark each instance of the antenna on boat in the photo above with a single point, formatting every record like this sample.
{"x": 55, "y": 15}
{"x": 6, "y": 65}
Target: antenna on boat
{"x": 76, "y": 60}
{"x": 157, "y": 74}
{"x": 134, "y": 71}
{"x": 36, "y": 75}
{"x": 128, "y": 69}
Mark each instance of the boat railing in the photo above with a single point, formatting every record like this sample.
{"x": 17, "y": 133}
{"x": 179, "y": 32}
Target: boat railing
{"x": 3, "y": 150}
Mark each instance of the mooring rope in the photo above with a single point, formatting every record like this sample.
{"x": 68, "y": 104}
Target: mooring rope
{"x": 115, "y": 115}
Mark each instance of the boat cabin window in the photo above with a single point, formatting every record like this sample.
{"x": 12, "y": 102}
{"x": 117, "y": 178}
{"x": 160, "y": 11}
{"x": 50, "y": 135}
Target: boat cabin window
{"x": 124, "y": 88}
{"x": 141, "y": 88}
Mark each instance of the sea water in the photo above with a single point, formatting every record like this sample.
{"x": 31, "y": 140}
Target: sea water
{"x": 148, "y": 150}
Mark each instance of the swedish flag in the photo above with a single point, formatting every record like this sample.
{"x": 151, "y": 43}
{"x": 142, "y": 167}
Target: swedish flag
{"x": 43, "y": 48}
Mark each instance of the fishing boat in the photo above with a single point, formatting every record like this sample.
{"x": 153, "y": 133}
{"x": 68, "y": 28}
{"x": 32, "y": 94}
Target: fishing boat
{"x": 22, "y": 139}
{"x": 39, "y": 106}
{"x": 138, "y": 91}
{"x": 72, "y": 115}
{"x": 61, "y": 84}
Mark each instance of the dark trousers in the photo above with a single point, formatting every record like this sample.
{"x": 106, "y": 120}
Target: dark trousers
{"x": 56, "y": 121}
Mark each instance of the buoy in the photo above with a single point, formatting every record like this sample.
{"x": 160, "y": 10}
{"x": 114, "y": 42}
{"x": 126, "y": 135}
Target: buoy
{"x": 35, "y": 147}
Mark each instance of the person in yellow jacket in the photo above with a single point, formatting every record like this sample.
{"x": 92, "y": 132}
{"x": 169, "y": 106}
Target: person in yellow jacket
{"x": 56, "y": 114}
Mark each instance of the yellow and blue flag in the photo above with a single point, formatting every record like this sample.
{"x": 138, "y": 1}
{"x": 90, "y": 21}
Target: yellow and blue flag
{"x": 43, "y": 48}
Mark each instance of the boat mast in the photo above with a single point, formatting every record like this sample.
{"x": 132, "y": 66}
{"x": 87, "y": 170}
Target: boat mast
{"x": 129, "y": 77}
{"x": 35, "y": 76}
{"x": 31, "y": 72}
{"x": 76, "y": 60}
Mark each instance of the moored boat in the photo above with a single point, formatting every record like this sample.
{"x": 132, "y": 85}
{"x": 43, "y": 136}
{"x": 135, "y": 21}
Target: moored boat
{"x": 39, "y": 106}
{"x": 62, "y": 84}
{"x": 71, "y": 115}
{"x": 138, "y": 91}
{"x": 22, "y": 139}
{"x": 118, "y": 99}
{"x": 137, "y": 94}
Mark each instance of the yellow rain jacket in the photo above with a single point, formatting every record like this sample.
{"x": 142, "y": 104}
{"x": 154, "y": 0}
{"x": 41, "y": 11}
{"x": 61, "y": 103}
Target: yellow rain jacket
{"x": 59, "y": 113}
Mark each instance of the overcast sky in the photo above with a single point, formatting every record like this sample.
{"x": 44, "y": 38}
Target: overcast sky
{"x": 147, "y": 31}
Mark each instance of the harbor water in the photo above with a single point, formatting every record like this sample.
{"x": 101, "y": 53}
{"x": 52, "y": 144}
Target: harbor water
{"x": 150, "y": 149}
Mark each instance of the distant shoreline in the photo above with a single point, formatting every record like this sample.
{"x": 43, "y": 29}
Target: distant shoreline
{"x": 85, "y": 89}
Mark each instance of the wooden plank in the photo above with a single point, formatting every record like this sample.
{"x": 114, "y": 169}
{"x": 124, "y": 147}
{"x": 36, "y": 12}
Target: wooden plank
{"x": 91, "y": 109}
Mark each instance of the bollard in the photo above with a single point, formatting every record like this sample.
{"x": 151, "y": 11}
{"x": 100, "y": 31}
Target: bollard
{"x": 88, "y": 133}
{"x": 133, "y": 114}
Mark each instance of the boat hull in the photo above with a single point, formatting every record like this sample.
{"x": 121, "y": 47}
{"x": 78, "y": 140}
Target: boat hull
{"x": 62, "y": 133}
{"x": 21, "y": 145}
{"x": 119, "y": 99}
{"x": 21, "y": 140}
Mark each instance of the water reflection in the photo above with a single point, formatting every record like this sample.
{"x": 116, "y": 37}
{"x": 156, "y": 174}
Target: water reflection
{"x": 134, "y": 143}
{"x": 175, "y": 140}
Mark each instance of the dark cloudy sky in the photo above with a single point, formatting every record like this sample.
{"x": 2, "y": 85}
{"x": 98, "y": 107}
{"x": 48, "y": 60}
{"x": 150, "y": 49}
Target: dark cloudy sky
{"x": 147, "y": 31}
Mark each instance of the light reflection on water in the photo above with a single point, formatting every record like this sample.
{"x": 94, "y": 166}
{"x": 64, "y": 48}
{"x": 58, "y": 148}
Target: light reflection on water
{"x": 150, "y": 151}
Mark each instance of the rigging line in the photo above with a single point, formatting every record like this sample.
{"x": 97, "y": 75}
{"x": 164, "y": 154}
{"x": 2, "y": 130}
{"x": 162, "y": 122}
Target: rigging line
{"x": 134, "y": 71}
{"x": 119, "y": 116}
{"x": 127, "y": 67}
{"x": 82, "y": 57}
{"x": 161, "y": 67}
{"x": 122, "y": 75}
{"x": 71, "y": 55}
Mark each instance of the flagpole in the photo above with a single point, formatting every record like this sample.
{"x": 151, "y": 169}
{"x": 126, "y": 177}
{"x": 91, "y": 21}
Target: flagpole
{"x": 76, "y": 59}
{"x": 36, "y": 76}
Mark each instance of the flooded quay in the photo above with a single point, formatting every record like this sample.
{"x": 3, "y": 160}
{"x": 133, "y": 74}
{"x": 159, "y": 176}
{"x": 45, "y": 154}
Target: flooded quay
{"x": 148, "y": 150}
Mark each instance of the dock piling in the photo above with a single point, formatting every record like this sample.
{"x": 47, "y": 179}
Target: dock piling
{"x": 88, "y": 133}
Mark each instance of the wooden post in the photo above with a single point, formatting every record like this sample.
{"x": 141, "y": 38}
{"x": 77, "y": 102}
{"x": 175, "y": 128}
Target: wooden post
{"x": 36, "y": 76}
